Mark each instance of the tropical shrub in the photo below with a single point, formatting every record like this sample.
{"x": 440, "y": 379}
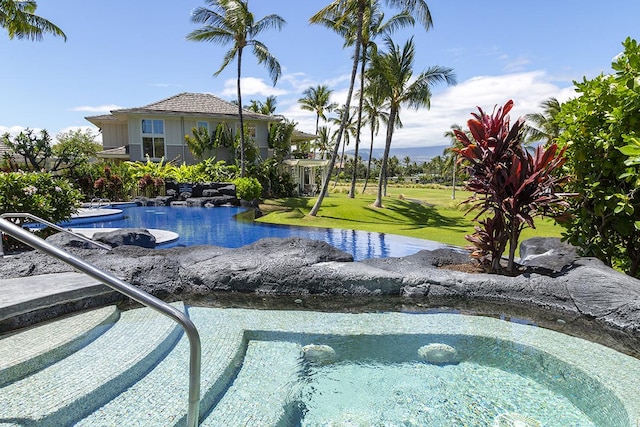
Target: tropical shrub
{"x": 275, "y": 182}
{"x": 219, "y": 171}
{"x": 510, "y": 186}
{"x": 160, "y": 169}
{"x": 37, "y": 152}
{"x": 600, "y": 129}
{"x": 150, "y": 186}
{"x": 187, "y": 173}
{"x": 38, "y": 193}
{"x": 110, "y": 185}
{"x": 200, "y": 142}
{"x": 248, "y": 188}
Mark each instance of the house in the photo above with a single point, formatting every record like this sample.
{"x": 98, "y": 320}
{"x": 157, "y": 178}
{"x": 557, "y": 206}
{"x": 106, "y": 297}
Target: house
{"x": 3, "y": 150}
{"x": 305, "y": 170}
{"x": 157, "y": 130}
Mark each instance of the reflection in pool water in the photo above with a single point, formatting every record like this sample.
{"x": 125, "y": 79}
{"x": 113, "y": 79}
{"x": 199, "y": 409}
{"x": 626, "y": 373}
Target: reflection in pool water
{"x": 217, "y": 226}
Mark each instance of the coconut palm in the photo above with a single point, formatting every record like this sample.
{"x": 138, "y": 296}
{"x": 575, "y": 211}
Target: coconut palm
{"x": 350, "y": 131}
{"x": 19, "y": 19}
{"x": 373, "y": 109}
{"x": 354, "y": 11}
{"x": 317, "y": 99}
{"x": 391, "y": 75}
{"x": 229, "y": 22}
{"x": 451, "y": 155}
{"x": 373, "y": 26}
{"x": 544, "y": 125}
{"x": 323, "y": 143}
{"x": 268, "y": 107}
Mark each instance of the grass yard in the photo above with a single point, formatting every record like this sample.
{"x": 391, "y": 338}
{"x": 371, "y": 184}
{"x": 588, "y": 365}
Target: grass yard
{"x": 415, "y": 211}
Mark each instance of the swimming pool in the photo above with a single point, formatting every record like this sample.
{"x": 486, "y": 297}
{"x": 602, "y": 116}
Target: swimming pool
{"x": 256, "y": 372}
{"x": 219, "y": 226}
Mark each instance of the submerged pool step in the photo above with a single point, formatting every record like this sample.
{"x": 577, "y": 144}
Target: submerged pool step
{"x": 161, "y": 397}
{"x": 26, "y": 351}
{"x": 263, "y": 390}
{"x": 75, "y": 386}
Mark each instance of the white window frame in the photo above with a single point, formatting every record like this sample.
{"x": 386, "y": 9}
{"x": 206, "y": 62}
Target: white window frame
{"x": 203, "y": 124}
{"x": 251, "y": 130}
{"x": 154, "y": 135}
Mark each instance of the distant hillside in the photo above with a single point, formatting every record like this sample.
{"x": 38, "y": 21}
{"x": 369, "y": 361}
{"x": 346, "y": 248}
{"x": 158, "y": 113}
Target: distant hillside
{"x": 417, "y": 154}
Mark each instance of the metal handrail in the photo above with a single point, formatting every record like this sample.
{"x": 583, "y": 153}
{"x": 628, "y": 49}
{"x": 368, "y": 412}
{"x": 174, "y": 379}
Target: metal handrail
{"x": 132, "y": 292}
{"x": 107, "y": 202}
{"x": 49, "y": 224}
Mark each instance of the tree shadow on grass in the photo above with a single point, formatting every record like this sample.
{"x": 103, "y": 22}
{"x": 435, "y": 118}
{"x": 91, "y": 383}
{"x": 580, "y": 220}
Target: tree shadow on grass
{"x": 412, "y": 215}
{"x": 421, "y": 215}
{"x": 294, "y": 203}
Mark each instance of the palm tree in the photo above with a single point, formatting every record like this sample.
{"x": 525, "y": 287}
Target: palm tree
{"x": 19, "y": 19}
{"x": 354, "y": 10}
{"x": 229, "y": 22}
{"x": 268, "y": 107}
{"x": 373, "y": 25}
{"x": 350, "y": 130}
{"x": 544, "y": 125}
{"x": 323, "y": 141}
{"x": 317, "y": 99}
{"x": 451, "y": 155}
{"x": 374, "y": 113}
{"x": 391, "y": 77}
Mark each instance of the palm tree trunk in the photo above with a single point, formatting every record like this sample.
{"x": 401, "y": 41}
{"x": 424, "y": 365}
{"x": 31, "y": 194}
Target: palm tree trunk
{"x": 366, "y": 179}
{"x": 240, "y": 115}
{"x": 317, "y": 126}
{"x": 342, "y": 162}
{"x": 385, "y": 157}
{"x": 354, "y": 175}
{"x": 343, "y": 125}
{"x": 455, "y": 163}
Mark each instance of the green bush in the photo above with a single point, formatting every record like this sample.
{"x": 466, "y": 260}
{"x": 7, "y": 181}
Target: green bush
{"x": 38, "y": 193}
{"x": 275, "y": 183}
{"x": 599, "y": 128}
{"x": 248, "y": 188}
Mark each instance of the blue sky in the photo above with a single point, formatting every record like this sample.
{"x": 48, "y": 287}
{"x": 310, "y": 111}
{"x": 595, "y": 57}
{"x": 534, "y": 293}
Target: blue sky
{"x": 125, "y": 53}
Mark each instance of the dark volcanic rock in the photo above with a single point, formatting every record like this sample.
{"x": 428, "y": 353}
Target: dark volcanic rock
{"x": 127, "y": 236}
{"x": 267, "y": 263}
{"x": 588, "y": 291}
{"x": 549, "y": 253}
{"x": 62, "y": 240}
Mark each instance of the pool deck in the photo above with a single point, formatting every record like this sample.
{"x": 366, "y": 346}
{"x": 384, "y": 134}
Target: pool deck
{"x": 31, "y": 299}
{"x": 618, "y": 372}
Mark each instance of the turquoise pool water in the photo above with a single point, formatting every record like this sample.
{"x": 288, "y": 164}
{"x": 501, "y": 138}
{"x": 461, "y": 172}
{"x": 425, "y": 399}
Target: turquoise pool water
{"x": 218, "y": 226}
{"x": 504, "y": 374}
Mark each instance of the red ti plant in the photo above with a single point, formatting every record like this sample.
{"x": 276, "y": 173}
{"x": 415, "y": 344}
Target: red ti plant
{"x": 510, "y": 186}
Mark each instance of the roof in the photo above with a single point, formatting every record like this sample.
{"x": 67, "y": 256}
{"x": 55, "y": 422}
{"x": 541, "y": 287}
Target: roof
{"x": 3, "y": 149}
{"x": 114, "y": 153}
{"x": 307, "y": 163}
{"x": 202, "y": 104}
{"x": 302, "y": 136}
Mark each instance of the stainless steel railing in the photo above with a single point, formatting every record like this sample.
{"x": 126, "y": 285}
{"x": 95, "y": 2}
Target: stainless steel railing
{"x": 132, "y": 292}
{"x": 99, "y": 203}
{"x": 48, "y": 224}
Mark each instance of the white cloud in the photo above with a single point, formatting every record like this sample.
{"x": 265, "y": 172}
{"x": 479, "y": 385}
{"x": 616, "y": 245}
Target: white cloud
{"x": 96, "y": 109}
{"x": 516, "y": 64}
{"x": 14, "y": 130}
{"x": 251, "y": 86}
{"x": 454, "y": 105}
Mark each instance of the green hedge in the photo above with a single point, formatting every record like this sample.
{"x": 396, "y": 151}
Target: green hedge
{"x": 38, "y": 193}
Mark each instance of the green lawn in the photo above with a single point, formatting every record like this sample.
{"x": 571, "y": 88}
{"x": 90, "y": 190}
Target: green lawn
{"x": 425, "y": 213}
